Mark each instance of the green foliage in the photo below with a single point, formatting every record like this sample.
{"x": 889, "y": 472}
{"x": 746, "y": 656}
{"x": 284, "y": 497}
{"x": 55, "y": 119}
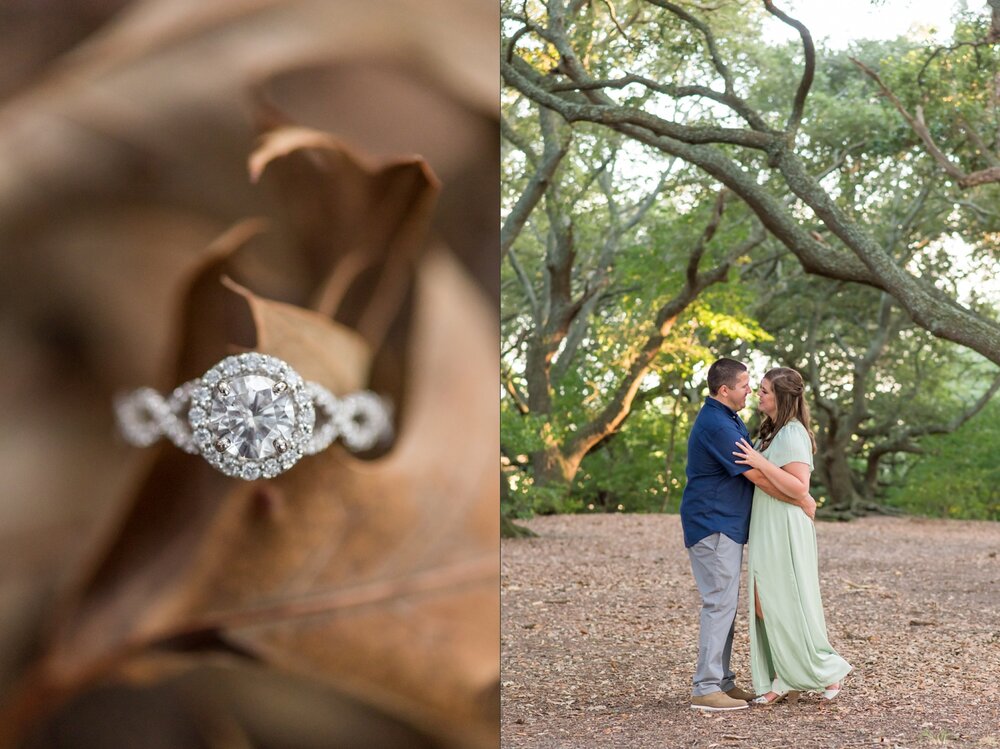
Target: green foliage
{"x": 521, "y": 436}
{"x": 958, "y": 476}
{"x": 916, "y": 380}
{"x": 630, "y": 472}
{"x": 954, "y": 88}
{"x": 528, "y": 499}
{"x": 720, "y": 326}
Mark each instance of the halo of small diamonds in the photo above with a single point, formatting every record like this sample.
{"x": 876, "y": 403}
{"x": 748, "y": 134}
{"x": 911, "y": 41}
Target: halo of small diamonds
{"x": 251, "y": 416}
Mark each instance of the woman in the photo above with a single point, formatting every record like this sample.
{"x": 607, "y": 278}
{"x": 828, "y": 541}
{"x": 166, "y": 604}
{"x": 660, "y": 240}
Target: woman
{"x": 789, "y": 649}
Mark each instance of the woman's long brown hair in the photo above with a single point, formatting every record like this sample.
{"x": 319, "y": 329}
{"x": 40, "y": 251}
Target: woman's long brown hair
{"x": 789, "y": 397}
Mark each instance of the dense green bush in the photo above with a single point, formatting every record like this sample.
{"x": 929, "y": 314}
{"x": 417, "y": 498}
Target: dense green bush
{"x": 958, "y": 476}
{"x": 527, "y": 500}
{"x": 630, "y": 472}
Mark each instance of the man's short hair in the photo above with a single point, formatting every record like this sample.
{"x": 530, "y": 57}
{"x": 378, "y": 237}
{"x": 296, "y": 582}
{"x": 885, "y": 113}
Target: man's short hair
{"x": 724, "y": 372}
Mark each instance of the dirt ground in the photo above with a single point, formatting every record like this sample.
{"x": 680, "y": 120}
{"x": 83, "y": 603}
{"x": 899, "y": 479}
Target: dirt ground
{"x": 600, "y": 629}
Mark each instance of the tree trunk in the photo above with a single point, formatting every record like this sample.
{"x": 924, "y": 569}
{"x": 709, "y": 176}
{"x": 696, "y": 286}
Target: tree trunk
{"x": 550, "y": 466}
{"x": 844, "y": 501}
{"x": 510, "y": 529}
{"x": 671, "y": 445}
{"x": 870, "y": 484}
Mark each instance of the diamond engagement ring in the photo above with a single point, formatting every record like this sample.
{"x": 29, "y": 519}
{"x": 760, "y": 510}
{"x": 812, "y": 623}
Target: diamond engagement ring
{"x": 252, "y": 416}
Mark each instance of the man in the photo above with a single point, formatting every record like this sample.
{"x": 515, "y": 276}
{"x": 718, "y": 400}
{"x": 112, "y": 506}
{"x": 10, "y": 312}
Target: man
{"x": 715, "y": 517}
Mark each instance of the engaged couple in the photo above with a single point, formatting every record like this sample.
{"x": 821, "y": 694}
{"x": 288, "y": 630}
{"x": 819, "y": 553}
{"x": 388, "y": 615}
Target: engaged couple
{"x": 738, "y": 493}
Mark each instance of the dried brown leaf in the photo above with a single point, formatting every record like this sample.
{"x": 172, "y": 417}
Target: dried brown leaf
{"x": 341, "y": 362}
{"x": 360, "y": 222}
{"x": 387, "y": 105}
{"x": 379, "y": 577}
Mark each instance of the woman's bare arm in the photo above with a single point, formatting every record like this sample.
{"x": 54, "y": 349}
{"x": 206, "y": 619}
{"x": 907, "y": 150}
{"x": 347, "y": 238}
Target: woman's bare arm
{"x": 807, "y": 505}
{"x": 792, "y": 483}
{"x": 788, "y": 483}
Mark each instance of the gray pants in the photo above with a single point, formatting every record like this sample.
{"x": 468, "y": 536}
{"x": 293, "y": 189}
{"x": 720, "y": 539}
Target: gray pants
{"x": 716, "y": 562}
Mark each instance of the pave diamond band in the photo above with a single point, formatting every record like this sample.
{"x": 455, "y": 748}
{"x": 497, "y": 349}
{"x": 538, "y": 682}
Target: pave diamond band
{"x": 252, "y": 416}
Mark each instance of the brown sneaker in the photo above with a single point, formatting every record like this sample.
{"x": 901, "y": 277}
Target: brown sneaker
{"x": 740, "y": 694}
{"x": 717, "y": 701}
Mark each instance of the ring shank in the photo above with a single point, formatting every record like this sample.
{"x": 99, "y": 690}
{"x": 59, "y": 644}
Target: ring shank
{"x": 361, "y": 420}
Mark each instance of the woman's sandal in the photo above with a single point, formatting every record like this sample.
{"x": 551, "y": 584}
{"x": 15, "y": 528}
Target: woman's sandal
{"x": 834, "y": 689}
{"x": 791, "y": 695}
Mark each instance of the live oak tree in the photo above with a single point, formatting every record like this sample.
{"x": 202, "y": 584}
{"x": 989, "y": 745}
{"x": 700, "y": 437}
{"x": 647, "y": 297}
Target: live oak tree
{"x": 586, "y": 322}
{"x": 592, "y": 62}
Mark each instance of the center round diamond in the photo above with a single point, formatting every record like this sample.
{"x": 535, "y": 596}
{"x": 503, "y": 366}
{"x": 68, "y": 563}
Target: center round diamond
{"x": 252, "y": 417}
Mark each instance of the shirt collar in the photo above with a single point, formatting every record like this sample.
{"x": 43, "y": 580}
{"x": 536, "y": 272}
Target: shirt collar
{"x": 710, "y": 401}
{"x": 713, "y": 403}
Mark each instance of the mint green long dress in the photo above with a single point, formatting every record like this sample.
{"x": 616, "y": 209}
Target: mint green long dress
{"x": 791, "y": 643}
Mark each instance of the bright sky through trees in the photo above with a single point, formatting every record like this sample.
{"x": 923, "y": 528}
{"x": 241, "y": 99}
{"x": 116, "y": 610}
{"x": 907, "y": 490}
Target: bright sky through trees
{"x": 843, "y": 20}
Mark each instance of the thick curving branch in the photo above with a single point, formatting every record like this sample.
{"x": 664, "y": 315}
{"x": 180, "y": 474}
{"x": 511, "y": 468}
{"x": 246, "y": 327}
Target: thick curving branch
{"x": 929, "y": 307}
{"x": 736, "y": 104}
{"x": 815, "y": 256}
{"x": 808, "y": 73}
{"x": 607, "y": 112}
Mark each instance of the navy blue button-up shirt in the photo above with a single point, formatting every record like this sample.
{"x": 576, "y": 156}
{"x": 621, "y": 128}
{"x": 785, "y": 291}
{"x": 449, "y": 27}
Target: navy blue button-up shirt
{"x": 717, "y": 497}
